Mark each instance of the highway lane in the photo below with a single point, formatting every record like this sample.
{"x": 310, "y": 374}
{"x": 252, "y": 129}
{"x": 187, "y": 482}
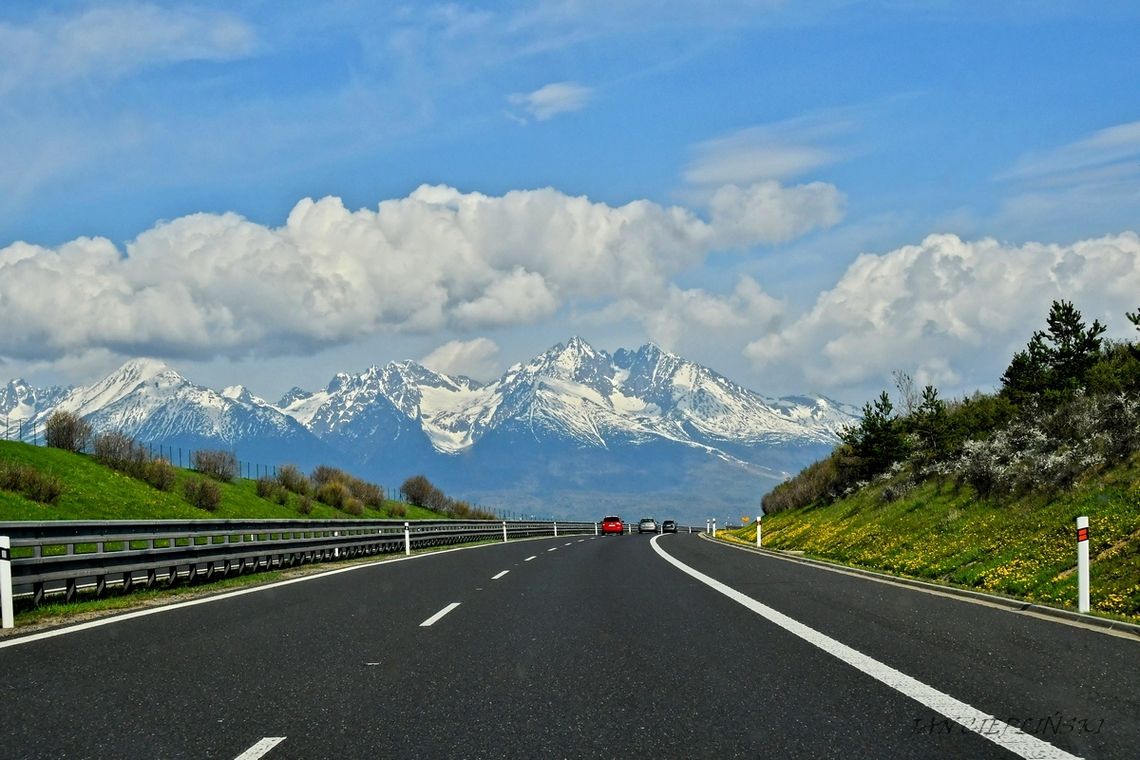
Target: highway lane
{"x": 597, "y": 648}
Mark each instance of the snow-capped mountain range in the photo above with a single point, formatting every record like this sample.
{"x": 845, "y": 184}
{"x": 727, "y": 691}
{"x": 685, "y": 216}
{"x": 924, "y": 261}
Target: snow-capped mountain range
{"x": 572, "y": 423}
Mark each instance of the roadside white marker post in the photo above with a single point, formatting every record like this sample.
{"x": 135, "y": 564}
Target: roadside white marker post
{"x": 504, "y": 531}
{"x": 714, "y": 528}
{"x": 407, "y": 540}
{"x": 7, "y": 620}
{"x": 1082, "y": 564}
{"x": 595, "y": 529}
{"x": 556, "y": 529}
{"x": 758, "y": 530}
{"x": 708, "y": 526}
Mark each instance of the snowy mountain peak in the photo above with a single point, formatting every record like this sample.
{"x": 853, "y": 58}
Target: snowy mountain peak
{"x": 17, "y": 399}
{"x": 242, "y": 395}
{"x": 341, "y": 381}
{"x": 123, "y": 382}
{"x": 292, "y": 396}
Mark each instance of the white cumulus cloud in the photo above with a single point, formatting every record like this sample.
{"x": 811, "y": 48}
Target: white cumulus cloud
{"x": 950, "y": 311}
{"x": 208, "y": 285}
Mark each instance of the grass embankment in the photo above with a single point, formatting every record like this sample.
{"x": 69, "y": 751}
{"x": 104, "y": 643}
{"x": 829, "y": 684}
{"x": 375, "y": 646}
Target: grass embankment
{"x": 91, "y": 491}
{"x": 1024, "y": 548}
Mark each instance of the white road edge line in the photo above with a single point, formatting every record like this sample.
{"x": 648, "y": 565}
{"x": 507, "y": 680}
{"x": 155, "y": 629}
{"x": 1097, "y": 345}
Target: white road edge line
{"x": 436, "y": 617}
{"x": 528, "y": 559}
{"x": 261, "y": 748}
{"x": 985, "y": 725}
{"x": 500, "y": 575}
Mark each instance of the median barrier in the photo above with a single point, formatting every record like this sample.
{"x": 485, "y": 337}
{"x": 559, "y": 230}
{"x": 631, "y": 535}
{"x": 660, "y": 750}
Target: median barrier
{"x": 59, "y": 558}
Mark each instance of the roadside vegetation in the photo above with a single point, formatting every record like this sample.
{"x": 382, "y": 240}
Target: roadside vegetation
{"x": 984, "y": 491}
{"x": 419, "y": 491}
{"x": 118, "y": 480}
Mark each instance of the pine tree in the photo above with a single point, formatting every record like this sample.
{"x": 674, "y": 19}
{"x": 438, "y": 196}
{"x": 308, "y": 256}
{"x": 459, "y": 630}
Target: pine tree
{"x": 1056, "y": 362}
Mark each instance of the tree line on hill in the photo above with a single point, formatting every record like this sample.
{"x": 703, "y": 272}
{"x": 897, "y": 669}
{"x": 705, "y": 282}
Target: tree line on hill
{"x": 1069, "y": 403}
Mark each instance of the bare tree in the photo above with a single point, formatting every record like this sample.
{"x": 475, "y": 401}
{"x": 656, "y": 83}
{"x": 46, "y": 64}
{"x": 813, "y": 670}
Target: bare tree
{"x": 67, "y": 430}
{"x": 908, "y": 392}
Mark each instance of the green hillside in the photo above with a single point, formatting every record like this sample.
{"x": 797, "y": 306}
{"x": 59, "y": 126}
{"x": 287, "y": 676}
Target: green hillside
{"x": 1024, "y": 548}
{"x": 90, "y": 491}
{"x": 984, "y": 491}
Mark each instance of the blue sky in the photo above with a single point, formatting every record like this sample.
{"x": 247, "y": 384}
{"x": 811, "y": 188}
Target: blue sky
{"x": 804, "y": 196}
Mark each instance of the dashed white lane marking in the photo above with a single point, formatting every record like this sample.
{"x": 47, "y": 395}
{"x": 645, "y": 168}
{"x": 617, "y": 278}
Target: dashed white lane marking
{"x": 985, "y": 725}
{"x": 500, "y": 575}
{"x": 528, "y": 559}
{"x": 261, "y": 748}
{"x": 436, "y": 617}
{"x": 552, "y": 549}
{"x": 580, "y": 540}
{"x": 567, "y": 543}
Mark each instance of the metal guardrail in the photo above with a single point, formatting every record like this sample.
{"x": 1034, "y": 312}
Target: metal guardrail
{"x": 60, "y": 557}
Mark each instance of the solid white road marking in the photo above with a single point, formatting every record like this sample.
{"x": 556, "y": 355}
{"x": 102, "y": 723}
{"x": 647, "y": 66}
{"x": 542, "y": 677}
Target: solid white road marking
{"x": 435, "y": 618}
{"x": 500, "y": 575}
{"x": 1003, "y": 734}
{"x": 528, "y": 559}
{"x": 261, "y": 748}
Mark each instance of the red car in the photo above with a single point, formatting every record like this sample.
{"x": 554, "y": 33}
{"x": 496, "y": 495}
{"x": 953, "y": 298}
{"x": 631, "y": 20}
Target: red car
{"x": 612, "y": 524}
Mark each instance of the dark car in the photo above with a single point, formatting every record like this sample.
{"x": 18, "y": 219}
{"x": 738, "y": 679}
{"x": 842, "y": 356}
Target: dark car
{"x": 612, "y": 524}
{"x": 647, "y": 525}
{"x": 669, "y": 526}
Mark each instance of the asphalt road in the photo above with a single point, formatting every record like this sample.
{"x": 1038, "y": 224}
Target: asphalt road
{"x": 583, "y": 648}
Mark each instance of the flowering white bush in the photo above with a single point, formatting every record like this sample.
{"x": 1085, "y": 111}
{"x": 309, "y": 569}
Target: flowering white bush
{"x": 1052, "y": 450}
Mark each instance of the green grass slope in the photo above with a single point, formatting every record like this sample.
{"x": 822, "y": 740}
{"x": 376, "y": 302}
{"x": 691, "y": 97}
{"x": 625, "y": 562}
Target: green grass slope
{"x": 1025, "y": 548}
{"x": 94, "y": 492}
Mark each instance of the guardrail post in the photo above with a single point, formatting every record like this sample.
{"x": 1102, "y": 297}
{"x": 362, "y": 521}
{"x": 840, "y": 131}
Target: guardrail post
{"x": 758, "y": 530}
{"x": 7, "y": 620}
{"x": 407, "y": 540}
{"x": 1082, "y": 564}
{"x": 504, "y": 531}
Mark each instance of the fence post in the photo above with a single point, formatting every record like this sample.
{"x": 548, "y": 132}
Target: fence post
{"x": 1082, "y": 564}
{"x": 407, "y": 540}
{"x": 6, "y": 617}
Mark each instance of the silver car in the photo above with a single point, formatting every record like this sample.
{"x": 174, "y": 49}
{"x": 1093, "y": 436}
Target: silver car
{"x": 647, "y": 525}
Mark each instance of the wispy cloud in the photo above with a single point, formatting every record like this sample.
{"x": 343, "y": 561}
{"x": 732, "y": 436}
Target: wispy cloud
{"x": 1094, "y": 180}
{"x": 552, "y": 99}
{"x": 104, "y": 43}
{"x": 780, "y": 150}
{"x": 1107, "y": 152}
